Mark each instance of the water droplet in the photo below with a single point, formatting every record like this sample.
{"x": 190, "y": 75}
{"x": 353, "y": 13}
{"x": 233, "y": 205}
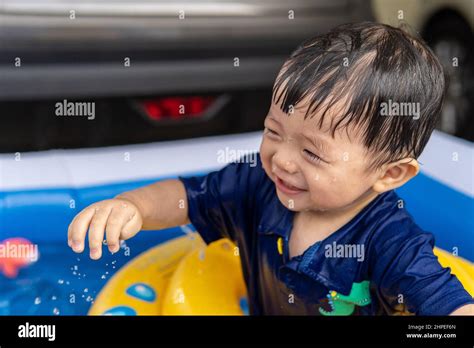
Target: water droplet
{"x": 53, "y": 298}
{"x": 37, "y": 301}
{"x": 75, "y": 267}
{"x": 103, "y": 277}
{"x": 56, "y": 311}
{"x": 60, "y": 281}
{"x": 86, "y": 290}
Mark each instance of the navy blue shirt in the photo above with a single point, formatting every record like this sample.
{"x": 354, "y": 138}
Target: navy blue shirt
{"x": 395, "y": 272}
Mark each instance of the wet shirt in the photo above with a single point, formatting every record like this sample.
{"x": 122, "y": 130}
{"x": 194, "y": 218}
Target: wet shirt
{"x": 380, "y": 262}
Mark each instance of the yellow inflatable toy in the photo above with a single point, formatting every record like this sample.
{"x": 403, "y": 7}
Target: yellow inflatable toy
{"x": 180, "y": 277}
{"x": 186, "y": 277}
{"x": 462, "y": 268}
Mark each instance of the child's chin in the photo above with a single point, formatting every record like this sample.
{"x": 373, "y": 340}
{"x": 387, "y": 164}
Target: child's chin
{"x": 289, "y": 203}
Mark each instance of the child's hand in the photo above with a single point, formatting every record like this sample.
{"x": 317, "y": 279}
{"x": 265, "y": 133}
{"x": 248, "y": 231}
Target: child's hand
{"x": 154, "y": 207}
{"x": 119, "y": 218}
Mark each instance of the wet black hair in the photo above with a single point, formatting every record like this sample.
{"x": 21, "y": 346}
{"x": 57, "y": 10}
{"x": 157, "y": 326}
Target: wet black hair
{"x": 365, "y": 65}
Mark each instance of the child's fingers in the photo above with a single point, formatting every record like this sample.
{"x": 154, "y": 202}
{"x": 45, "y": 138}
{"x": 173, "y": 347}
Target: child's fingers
{"x": 117, "y": 219}
{"x": 78, "y": 229}
{"x": 69, "y": 232}
{"x": 132, "y": 226}
{"x": 96, "y": 230}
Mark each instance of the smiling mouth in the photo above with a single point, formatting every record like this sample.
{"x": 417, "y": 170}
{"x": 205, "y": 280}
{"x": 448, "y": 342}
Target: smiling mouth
{"x": 287, "y": 188}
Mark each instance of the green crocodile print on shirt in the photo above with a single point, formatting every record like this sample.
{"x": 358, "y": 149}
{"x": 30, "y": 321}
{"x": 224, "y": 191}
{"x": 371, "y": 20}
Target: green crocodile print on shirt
{"x": 345, "y": 305}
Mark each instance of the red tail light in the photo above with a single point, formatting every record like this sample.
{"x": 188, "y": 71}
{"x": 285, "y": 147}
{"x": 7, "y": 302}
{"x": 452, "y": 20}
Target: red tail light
{"x": 174, "y": 108}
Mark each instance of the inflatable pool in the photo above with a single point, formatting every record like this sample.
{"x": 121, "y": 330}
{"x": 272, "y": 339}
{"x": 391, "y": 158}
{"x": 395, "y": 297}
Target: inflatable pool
{"x": 41, "y": 192}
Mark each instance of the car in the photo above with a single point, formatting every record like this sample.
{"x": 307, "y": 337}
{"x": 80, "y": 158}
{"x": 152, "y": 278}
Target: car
{"x": 153, "y": 70}
{"x": 447, "y": 26}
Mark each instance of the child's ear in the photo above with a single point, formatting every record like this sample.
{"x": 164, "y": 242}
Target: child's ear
{"x": 396, "y": 174}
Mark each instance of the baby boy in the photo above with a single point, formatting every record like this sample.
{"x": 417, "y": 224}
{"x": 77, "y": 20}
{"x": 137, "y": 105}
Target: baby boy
{"x": 319, "y": 227}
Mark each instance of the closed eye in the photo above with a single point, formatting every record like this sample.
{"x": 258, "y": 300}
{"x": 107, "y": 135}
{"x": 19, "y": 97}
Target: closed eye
{"x": 271, "y": 132}
{"x": 311, "y": 156}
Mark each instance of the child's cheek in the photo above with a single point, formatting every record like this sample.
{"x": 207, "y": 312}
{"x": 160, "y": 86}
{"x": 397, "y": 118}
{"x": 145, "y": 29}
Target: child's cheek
{"x": 319, "y": 189}
{"x": 328, "y": 191}
{"x": 265, "y": 156}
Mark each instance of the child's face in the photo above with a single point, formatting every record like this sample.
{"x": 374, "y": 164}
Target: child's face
{"x": 325, "y": 173}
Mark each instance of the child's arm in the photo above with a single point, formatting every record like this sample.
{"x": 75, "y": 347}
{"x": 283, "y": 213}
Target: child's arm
{"x": 156, "y": 206}
{"x": 409, "y": 275}
{"x": 464, "y": 310}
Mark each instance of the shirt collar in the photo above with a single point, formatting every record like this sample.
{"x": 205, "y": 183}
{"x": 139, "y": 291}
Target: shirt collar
{"x": 275, "y": 217}
{"x": 336, "y": 273}
{"x": 339, "y": 273}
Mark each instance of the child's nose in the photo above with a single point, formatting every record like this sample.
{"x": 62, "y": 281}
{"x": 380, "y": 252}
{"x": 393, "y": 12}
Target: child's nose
{"x": 285, "y": 164}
